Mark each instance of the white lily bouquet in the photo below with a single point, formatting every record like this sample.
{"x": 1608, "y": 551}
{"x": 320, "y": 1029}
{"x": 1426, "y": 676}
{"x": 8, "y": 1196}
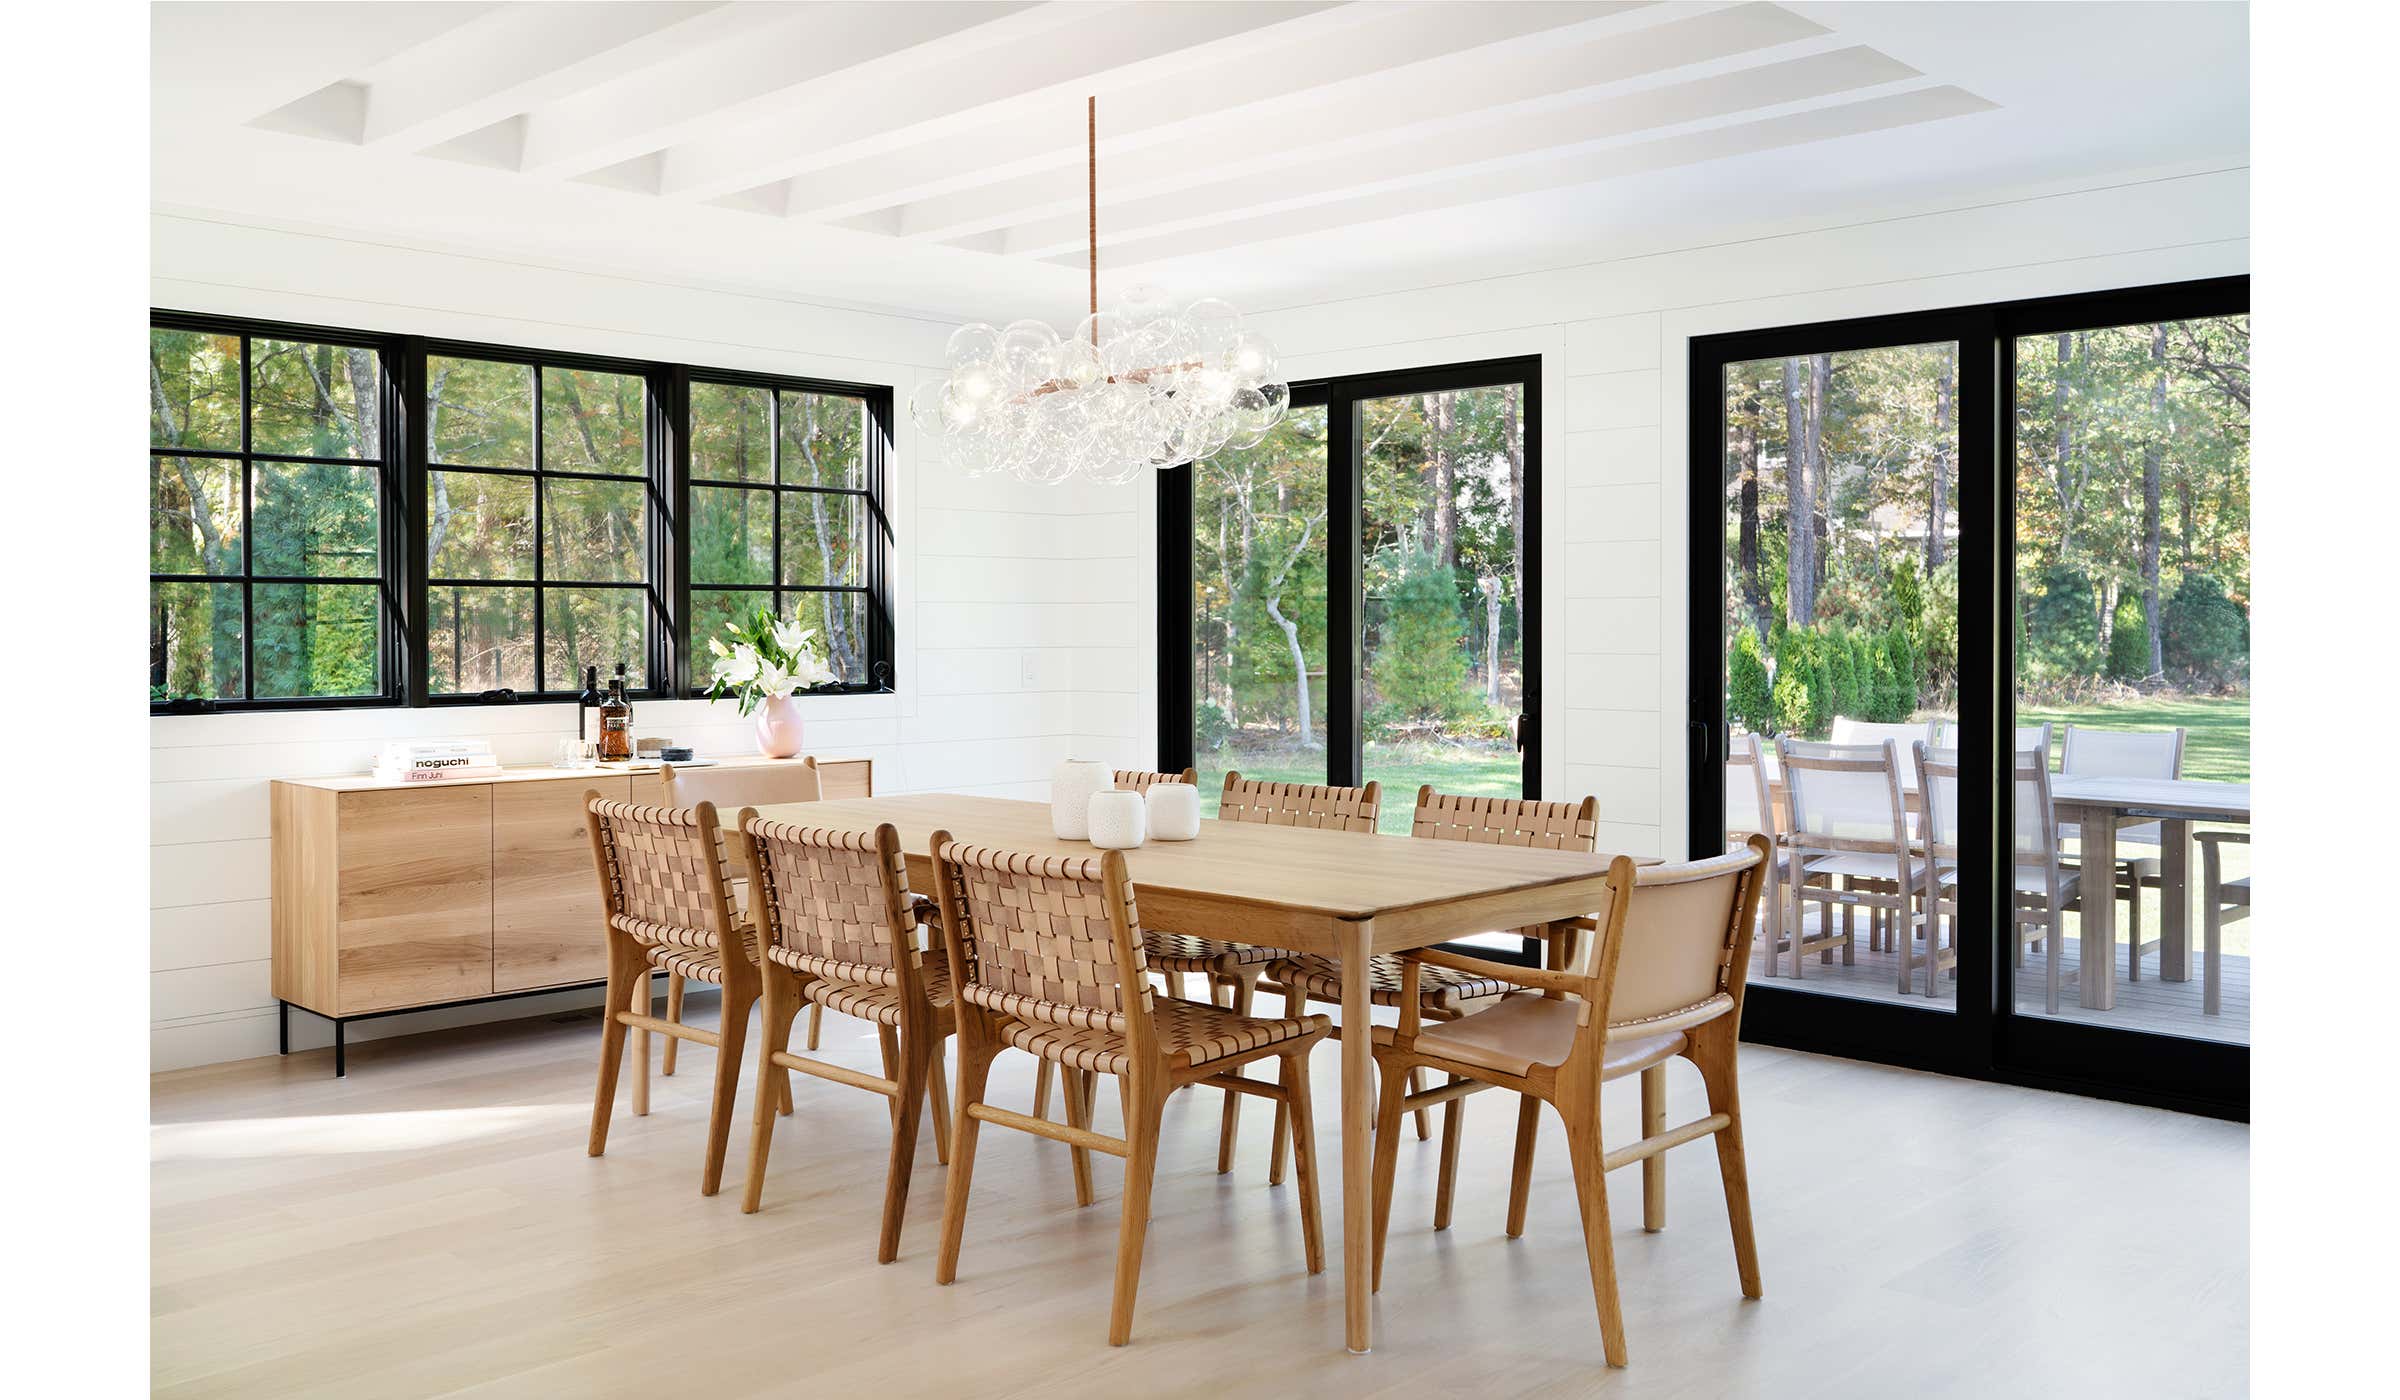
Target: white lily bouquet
{"x": 769, "y": 660}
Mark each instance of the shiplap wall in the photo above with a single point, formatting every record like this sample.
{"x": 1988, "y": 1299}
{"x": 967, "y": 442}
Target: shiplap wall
{"x": 1614, "y": 336}
{"x": 1021, "y": 611}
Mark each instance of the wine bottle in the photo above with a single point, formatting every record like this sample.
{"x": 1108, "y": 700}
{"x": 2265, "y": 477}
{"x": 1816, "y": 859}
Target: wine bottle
{"x": 616, "y": 722}
{"x": 586, "y": 703}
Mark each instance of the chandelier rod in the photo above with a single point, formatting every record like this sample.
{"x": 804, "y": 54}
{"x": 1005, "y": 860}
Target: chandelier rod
{"x": 1091, "y": 186}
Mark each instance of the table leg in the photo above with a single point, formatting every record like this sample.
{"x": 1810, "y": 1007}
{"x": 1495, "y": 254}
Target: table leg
{"x": 1357, "y": 946}
{"x": 2175, "y": 901}
{"x": 2098, "y": 884}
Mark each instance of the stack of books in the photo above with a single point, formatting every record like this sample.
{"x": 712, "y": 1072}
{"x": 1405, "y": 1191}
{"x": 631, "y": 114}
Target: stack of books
{"x": 428, "y": 760}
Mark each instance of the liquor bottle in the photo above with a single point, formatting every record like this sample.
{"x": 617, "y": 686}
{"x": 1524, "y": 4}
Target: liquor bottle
{"x": 586, "y": 703}
{"x": 616, "y": 722}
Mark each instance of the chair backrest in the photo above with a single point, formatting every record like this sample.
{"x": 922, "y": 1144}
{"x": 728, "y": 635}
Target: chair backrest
{"x": 662, "y": 872}
{"x": 732, "y": 787}
{"x": 1300, "y": 804}
{"x": 1506, "y": 821}
{"x": 1854, "y": 733}
{"x": 1138, "y": 780}
{"x": 2107, "y": 753}
{"x": 1844, "y": 797}
{"x": 843, "y": 777}
{"x": 2033, "y": 739}
{"x": 1675, "y": 943}
{"x": 1937, "y": 783}
{"x": 832, "y": 904}
{"x": 2036, "y": 842}
{"x": 1749, "y": 806}
{"x": 1053, "y": 939}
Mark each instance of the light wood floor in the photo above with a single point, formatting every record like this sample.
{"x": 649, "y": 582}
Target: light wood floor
{"x": 431, "y": 1226}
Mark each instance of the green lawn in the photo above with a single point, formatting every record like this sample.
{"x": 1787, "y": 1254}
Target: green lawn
{"x": 2216, "y": 744}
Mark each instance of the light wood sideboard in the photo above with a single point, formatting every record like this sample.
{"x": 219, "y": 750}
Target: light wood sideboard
{"x": 395, "y": 897}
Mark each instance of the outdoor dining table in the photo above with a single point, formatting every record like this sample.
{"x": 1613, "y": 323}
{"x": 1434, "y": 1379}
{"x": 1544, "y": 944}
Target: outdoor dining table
{"x": 2100, "y": 805}
{"x": 1345, "y": 894}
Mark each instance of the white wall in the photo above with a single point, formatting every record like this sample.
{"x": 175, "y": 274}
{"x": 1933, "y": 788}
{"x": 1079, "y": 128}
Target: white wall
{"x": 1020, "y": 611}
{"x": 1614, "y": 340}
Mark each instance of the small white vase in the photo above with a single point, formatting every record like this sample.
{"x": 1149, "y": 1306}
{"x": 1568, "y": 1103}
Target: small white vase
{"x": 778, "y": 723}
{"x": 1174, "y": 811}
{"x": 1072, "y": 784}
{"x": 1117, "y": 820}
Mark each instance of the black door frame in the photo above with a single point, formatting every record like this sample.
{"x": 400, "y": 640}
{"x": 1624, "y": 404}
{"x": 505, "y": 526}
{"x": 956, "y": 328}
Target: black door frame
{"x": 1984, "y": 1038}
{"x": 1345, "y": 603}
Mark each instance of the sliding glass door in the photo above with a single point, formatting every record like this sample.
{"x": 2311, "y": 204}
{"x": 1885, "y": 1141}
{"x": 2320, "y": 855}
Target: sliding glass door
{"x": 1359, "y": 604}
{"x": 1969, "y": 640}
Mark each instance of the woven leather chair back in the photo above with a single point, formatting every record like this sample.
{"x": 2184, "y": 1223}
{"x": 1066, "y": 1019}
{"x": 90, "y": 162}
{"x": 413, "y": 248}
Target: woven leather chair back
{"x": 663, "y": 871}
{"x": 835, "y": 902}
{"x": 1037, "y": 941}
{"x": 1300, "y": 804}
{"x": 1136, "y": 780}
{"x": 1507, "y": 821}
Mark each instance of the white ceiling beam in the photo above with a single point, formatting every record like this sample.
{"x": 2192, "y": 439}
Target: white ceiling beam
{"x": 1765, "y": 133}
{"x": 506, "y": 62}
{"x": 1375, "y": 38}
{"x": 1459, "y": 85}
{"x": 1417, "y": 154}
{"x": 895, "y": 105}
{"x": 755, "y": 75}
{"x": 240, "y": 63}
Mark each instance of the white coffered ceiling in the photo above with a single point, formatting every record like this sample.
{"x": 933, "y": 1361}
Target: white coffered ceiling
{"x": 931, "y": 155}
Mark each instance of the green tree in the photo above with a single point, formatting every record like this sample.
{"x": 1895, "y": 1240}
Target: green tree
{"x": 1748, "y": 697}
{"x": 1420, "y": 666}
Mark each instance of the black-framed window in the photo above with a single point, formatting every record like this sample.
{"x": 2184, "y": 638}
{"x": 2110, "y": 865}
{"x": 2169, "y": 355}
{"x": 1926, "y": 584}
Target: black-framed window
{"x": 271, "y": 490}
{"x": 345, "y": 518}
{"x": 538, "y": 522}
{"x": 1996, "y": 1033}
{"x": 785, "y": 509}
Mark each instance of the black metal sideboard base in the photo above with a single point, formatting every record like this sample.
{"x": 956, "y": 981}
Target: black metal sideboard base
{"x": 341, "y": 1061}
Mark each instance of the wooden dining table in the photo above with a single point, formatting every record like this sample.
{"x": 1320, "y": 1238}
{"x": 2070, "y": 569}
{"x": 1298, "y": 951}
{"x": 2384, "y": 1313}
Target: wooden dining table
{"x": 2098, "y": 806}
{"x": 1348, "y": 895}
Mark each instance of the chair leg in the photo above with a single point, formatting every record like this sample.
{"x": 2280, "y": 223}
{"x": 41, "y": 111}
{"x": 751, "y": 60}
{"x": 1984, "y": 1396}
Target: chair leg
{"x": 1304, "y": 1156}
{"x": 816, "y": 1023}
{"x": 1654, "y": 1167}
{"x": 666, "y": 1066}
{"x": 1424, "y": 1116}
{"x": 1713, "y": 1055}
{"x": 974, "y": 1071}
{"x": 2212, "y": 955}
{"x": 888, "y": 1038}
{"x": 1041, "y": 1087}
{"x": 612, "y": 1053}
{"x": 1240, "y": 989}
{"x": 1295, "y": 1002}
{"x": 915, "y": 1054}
{"x": 2133, "y": 928}
{"x": 774, "y": 1032}
{"x": 641, "y": 1047}
{"x": 1076, "y": 1085}
{"x": 732, "y": 1029}
{"x": 937, "y": 1098}
{"x": 1591, "y": 1195}
{"x": 1386, "y": 1164}
{"x": 1520, "y": 1177}
{"x": 1454, "y": 1127}
{"x": 1145, "y": 1103}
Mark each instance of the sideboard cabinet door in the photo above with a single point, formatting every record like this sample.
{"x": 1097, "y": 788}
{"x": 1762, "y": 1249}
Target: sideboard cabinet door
{"x": 546, "y": 895}
{"x": 414, "y": 901}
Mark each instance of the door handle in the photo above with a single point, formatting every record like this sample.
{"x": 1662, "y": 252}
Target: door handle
{"x": 1703, "y": 739}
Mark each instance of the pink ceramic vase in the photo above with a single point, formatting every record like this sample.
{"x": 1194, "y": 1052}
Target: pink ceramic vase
{"x": 778, "y": 726}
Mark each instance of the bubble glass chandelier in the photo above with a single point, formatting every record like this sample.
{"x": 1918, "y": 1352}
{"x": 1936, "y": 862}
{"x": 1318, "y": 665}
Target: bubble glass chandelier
{"x": 1142, "y": 385}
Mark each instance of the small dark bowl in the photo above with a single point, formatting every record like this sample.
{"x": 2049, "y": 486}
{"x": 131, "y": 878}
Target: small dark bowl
{"x": 674, "y": 755}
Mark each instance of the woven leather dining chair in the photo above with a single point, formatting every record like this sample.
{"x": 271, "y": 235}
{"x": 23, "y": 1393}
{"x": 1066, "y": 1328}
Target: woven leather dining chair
{"x": 663, "y": 892}
{"x": 729, "y": 788}
{"x": 1664, "y": 980}
{"x": 1046, "y": 957}
{"x": 1443, "y": 994}
{"x": 839, "y": 930}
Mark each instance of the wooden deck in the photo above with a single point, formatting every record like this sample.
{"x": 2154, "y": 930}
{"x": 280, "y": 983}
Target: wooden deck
{"x": 2152, "y": 1005}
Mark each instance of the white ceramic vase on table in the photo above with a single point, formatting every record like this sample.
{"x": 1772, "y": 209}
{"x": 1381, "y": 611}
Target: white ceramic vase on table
{"x": 1117, "y": 821}
{"x": 1174, "y": 811}
{"x": 1072, "y": 784}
